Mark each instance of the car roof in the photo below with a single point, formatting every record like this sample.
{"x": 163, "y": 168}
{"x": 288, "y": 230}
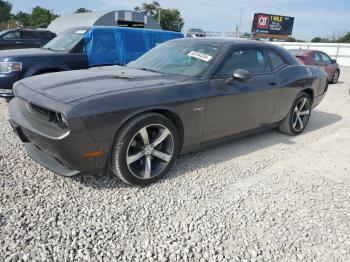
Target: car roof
{"x": 301, "y": 51}
{"x": 226, "y": 40}
{"x": 26, "y": 29}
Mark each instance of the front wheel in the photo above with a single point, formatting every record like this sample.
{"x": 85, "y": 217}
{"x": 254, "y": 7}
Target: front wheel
{"x": 145, "y": 149}
{"x": 335, "y": 77}
{"x": 298, "y": 117}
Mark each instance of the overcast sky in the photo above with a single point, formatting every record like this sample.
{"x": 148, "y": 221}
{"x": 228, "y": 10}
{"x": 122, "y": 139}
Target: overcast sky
{"x": 312, "y": 17}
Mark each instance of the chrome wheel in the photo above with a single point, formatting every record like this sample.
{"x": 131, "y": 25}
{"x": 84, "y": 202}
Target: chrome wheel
{"x": 301, "y": 114}
{"x": 150, "y": 151}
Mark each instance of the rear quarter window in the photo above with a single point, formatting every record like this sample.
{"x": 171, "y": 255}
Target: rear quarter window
{"x": 276, "y": 60}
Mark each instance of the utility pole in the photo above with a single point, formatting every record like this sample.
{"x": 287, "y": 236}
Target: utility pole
{"x": 159, "y": 11}
{"x": 240, "y": 24}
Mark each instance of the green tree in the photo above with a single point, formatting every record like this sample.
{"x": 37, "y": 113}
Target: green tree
{"x": 170, "y": 19}
{"x": 345, "y": 38}
{"x": 320, "y": 40}
{"x": 82, "y": 10}
{"x": 41, "y": 16}
{"x": 5, "y": 11}
{"x": 23, "y": 18}
{"x": 150, "y": 9}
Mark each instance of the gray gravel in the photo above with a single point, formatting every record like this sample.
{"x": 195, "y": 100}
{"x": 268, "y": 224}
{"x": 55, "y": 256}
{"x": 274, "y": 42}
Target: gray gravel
{"x": 263, "y": 198}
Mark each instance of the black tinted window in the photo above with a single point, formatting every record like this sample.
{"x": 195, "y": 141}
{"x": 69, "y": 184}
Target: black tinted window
{"x": 46, "y": 36}
{"x": 276, "y": 60}
{"x": 29, "y": 35}
{"x": 251, "y": 60}
{"x": 12, "y": 36}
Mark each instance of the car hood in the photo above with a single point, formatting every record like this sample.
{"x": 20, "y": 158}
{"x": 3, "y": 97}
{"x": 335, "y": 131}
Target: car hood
{"x": 67, "y": 87}
{"x": 24, "y": 52}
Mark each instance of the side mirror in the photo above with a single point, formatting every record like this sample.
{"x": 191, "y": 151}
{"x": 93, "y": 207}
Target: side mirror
{"x": 241, "y": 76}
{"x": 333, "y": 61}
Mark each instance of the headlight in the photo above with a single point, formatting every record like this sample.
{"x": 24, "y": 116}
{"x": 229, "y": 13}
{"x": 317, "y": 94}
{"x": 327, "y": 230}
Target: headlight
{"x": 60, "y": 119}
{"x": 7, "y": 67}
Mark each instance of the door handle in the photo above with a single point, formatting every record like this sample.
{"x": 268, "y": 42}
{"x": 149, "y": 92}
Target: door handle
{"x": 18, "y": 42}
{"x": 273, "y": 83}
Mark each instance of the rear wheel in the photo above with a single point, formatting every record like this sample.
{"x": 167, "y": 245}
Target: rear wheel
{"x": 335, "y": 77}
{"x": 298, "y": 117}
{"x": 145, "y": 149}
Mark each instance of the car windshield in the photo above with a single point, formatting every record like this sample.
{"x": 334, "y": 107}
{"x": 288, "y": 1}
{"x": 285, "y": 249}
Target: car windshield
{"x": 65, "y": 41}
{"x": 178, "y": 58}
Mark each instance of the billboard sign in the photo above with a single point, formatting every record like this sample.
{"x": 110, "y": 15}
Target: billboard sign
{"x": 272, "y": 24}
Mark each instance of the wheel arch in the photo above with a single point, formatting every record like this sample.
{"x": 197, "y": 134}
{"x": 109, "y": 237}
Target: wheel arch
{"x": 164, "y": 111}
{"x": 310, "y": 92}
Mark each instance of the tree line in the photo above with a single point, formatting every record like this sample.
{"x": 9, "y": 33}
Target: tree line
{"x": 170, "y": 19}
{"x": 340, "y": 39}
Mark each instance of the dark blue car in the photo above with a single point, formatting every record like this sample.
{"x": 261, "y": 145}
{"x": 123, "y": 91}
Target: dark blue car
{"x": 78, "y": 48}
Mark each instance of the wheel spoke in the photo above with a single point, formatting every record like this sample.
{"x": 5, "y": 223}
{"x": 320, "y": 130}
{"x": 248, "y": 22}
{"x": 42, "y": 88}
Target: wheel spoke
{"x": 147, "y": 173}
{"x": 133, "y": 158}
{"x": 304, "y": 113}
{"x": 163, "y": 156}
{"x": 302, "y": 105}
{"x": 301, "y": 123}
{"x": 162, "y": 136}
{"x": 295, "y": 123}
{"x": 144, "y": 135}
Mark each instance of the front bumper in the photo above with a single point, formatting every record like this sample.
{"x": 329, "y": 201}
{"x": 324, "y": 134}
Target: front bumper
{"x": 49, "y": 162}
{"x": 62, "y": 152}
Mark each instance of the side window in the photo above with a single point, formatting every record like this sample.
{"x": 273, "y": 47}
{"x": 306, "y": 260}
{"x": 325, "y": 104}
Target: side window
{"x": 326, "y": 58}
{"x": 252, "y": 60}
{"x": 317, "y": 57}
{"x": 80, "y": 48}
{"x": 276, "y": 60}
{"x": 28, "y": 35}
{"x": 47, "y": 36}
{"x": 12, "y": 36}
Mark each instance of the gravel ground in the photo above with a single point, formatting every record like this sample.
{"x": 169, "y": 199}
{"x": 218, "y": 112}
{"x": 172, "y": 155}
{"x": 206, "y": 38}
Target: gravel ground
{"x": 262, "y": 198}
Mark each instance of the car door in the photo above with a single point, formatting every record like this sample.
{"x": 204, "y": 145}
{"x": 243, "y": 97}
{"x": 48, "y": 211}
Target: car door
{"x": 11, "y": 40}
{"x": 329, "y": 67}
{"x": 77, "y": 58}
{"x": 30, "y": 39}
{"x": 237, "y": 107}
{"x": 318, "y": 60}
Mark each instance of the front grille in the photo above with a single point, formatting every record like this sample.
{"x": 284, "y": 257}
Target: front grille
{"x": 40, "y": 110}
{"x": 47, "y": 115}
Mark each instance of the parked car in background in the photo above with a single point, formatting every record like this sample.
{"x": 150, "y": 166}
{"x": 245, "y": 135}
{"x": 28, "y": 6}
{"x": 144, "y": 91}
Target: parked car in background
{"x": 177, "y": 98}
{"x": 193, "y": 32}
{"x": 79, "y": 48}
{"x": 24, "y": 38}
{"x": 321, "y": 59}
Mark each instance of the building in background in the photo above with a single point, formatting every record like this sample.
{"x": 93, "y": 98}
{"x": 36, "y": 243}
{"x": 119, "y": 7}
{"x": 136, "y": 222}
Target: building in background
{"x": 110, "y": 18}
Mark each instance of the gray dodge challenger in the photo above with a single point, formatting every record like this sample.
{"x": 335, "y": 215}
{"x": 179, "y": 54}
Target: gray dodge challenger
{"x": 179, "y": 97}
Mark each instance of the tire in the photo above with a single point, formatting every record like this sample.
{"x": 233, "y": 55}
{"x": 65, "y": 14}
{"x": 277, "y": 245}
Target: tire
{"x": 335, "y": 77}
{"x": 298, "y": 116}
{"x": 145, "y": 149}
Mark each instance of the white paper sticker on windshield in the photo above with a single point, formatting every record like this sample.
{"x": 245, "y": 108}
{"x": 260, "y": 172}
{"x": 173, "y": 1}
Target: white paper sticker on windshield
{"x": 80, "y": 32}
{"x": 200, "y": 56}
